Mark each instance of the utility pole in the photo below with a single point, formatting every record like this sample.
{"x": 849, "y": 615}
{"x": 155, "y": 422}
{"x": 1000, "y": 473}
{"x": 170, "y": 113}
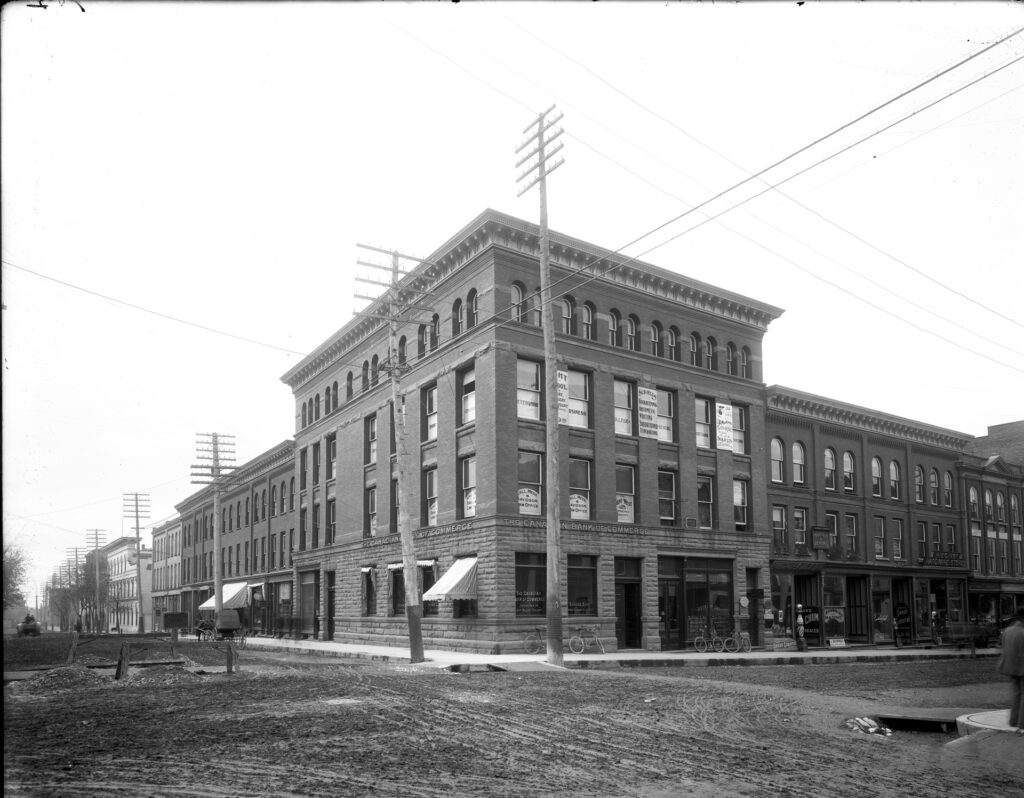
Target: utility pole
{"x": 215, "y": 452}
{"x": 94, "y": 539}
{"x": 137, "y": 504}
{"x": 73, "y": 592}
{"x": 540, "y": 140}
{"x": 396, "y": 368}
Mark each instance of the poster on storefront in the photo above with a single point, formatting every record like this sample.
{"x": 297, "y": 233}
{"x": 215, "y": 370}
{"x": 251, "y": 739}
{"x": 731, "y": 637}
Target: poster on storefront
{"x": 647, "y": 411}
{"x": 835, "y": 622}
{"x": 723, "y": 426}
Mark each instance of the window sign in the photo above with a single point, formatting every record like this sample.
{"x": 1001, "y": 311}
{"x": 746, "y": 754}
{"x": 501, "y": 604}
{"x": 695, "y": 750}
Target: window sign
{"x": 529, "y": 501}
{"x": 624, "y": 508}
{"x": 579, "y": 506}
{"x": 647, "y": 408}
{"x": 723, "y": 417}
{"x": 563, "y": 396}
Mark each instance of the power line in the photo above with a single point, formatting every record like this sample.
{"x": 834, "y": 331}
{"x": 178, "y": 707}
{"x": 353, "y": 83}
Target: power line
{"x": 153, "y": 312}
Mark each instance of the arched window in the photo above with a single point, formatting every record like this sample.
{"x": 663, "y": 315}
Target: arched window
{"x": 830, "y": 470}
{"x": 374, "y": 370}
{"x": 284, "y": 489}
{"x": 657, "y": 343}
{"x": 895, "y": 491}
{"x": 334, "y": 396}
{"x": 291, "y": 494}
{"x": 472, "y": 309}
{"x": 520, "y": 311}
{"x": 538, "y": 308}
{"x": 304, "y": 423}
{"x": 799, "y": 464}
{"x": 435, "y": 332}
{"x": 366, "y": 375}
{"x": 947, "y": 489}
{"x": 778, "y": 450}
{"x": 421, "y": 341}
{"x": 348, "y": 386}
{"x": 672, "y": 344}
{"x": 849, "y": 481}
{"x": 933, "y": 487}
{"x": 695, "y": 350}
{"x": 919, "y": 484}
{"x": 264, "y": 504}
{"x": 614, "y": 328}
{"x": 711, "y": 354}
{"x": 401, "y": 350}
{"x": 568, "y": 309}
{"x": 632, "y": 341}
{"x": 273, "y": 500}
{"x": 745, "y": 366}
{"x": 247, "y": 511}
{"x": 876, "y": 476}
{"x": 456, "y": 318}
{"x": 309, "y": 410}
{"x": 316, "y": 407}
{"x": 238, "y": 514}
{"x": 1000, "y": 508}
{"x": 972, "y": 500}
{"x": 988, "y": 505}
{"x": 1014, "y": 510}
{"x": 732, "y": 367}
{"x": 587, "y": 321}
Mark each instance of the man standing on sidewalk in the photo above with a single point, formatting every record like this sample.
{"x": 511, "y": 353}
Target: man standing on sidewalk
{"x": 1012, "y": 664}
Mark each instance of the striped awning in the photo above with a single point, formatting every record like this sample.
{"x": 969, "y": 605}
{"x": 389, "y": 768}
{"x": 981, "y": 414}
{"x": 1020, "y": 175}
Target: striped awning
{"x": 458, "y": 582}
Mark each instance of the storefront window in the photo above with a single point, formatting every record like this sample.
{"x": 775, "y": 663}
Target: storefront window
{"x": 833, "y": 610}
{"x": 531, "y": 584}
{"x": 582, "y": 584}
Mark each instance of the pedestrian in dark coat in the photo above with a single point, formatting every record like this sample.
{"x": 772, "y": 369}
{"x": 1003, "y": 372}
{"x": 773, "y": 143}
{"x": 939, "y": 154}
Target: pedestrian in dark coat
{"x": 1011, "y": 663}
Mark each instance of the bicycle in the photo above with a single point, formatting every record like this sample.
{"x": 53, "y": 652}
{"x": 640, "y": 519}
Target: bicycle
{"x": 737, "y": 641}
{"x": 578, "y": 643}
{"x": 533, "y": 641}
{"x": 715, "y": 642}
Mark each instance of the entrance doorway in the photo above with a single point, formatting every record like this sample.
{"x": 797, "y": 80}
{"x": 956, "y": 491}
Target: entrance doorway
{"x": 628, "y": 603}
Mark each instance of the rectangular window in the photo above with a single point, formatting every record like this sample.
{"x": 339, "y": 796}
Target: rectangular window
{"x": 581, "y": 584}
{"x": 370, "y": 440}
{"x": 779, "y": 532}
{"x": 951, "y": 538}
{"x": 467, "y": 392}
{"x": 370, "y": 512}
{"x": 936, "y": 538}
{"x": 316, "y": 526}
{"x": 369, "y": 592}
{"x": 467, "y": 484}
{"x": 625, "y": 483}
{"x": 397, "y": 591}
{"x": 832, "y": 522}
{"x": 739, "y": 429}
{"x": 531, "y": 585}
{"x": 528, "y": 389}
{"x": 579, "y": 489}
{"x": 302, "y": 480}
{"x": 667, "y": 497}
{"x": 579, "y": 399}
{"x": 705, "y": 413}
{"x": 625, "y": 408}
{"x": 332, "y": 461}
{"x": 896, "y": 535}
{"x": 666, "y": 415}
{"x": 263, "y": 554}
{"x": 331, "y": 522}
{"x": 851, "y": 533}
{"x": 427, "y": 579}
{"x": 705, "y": 502}
{"x": 430, "y": 497}
{"x": 800, "y": 526}
{"x": 740, "y": 501}
{"x": 990, "y": 550}
{"x": 530, "y": 481}
{"x": 316, "y": 463}
{"x": 1004, "y": 560}
{"x": 429, "y": 420}
{"x": 393, "y": 509}
{"x": 303, "y": 513}
{"x": 922, "y": 540}
{"x": 880, "y": 549}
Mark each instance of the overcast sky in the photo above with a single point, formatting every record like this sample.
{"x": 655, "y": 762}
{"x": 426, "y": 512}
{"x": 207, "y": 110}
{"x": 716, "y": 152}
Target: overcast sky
{"x": 217, "y": 163}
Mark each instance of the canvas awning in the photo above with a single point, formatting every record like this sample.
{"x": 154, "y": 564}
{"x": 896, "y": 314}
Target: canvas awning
{"x": 458, "y": 582}
{"x": 234, "y": 596}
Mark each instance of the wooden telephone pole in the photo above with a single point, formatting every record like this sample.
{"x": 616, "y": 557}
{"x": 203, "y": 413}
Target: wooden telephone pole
{"x": 541, "y": 138}
{"x": 215, "y": 452}
{"x": 137, "y": 505}
{"x": 396, "y": 367}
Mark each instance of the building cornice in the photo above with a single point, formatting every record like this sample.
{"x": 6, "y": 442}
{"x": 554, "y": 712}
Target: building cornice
{"x": 251, "y": 470}
{"x": 829, "y": 411}
{"x": 492, "y": 229}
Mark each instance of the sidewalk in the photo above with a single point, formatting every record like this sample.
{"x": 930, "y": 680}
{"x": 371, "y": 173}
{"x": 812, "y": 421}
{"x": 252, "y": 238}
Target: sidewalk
{"x": 467, "y": 661}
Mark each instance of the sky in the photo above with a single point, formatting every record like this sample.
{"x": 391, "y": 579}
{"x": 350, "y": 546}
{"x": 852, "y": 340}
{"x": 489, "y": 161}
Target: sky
{"x": 184, "y": 186}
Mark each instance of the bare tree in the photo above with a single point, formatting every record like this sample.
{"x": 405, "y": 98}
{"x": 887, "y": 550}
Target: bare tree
{"x": 15, "y": 567}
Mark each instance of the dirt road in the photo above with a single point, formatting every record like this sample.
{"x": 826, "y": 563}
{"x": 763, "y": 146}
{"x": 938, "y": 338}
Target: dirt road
{"x": 325, "y": 729}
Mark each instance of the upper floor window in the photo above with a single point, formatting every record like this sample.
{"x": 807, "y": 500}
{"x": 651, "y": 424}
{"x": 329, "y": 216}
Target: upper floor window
{"x": 456, "y": 317}
{"x": 472, "y": 309}
{"x": 528, "y": 389}
{"x": 672, "y": 344}
{"x": 894, "y": 480}
{"x": 666, "y": 415}
{"x": 947, "y": 489}
{"x": 849, "y": 479}
{"x": 777, "y": 452}
{"x": 430, "y": 497}
{"x": 657, "y": 343}
{"x": 332, "y": 455}
{"x": 1014, "y": 510}
{"x": 705, "y": 502}
{"x": 731, "y": 361}
{"x": 740, "y": 500}
{"x": 625, "y": 408}
{"x": 370, "y": 440}
{"x": 467, "y": 486}
{"x": 316, "y": 407}
{"x": 1000, "y": 508}
{"x": 587, "y": 321}
{"x": 578, "y": 399}
{"x": 579, "y": 489}
{"x": 348, "y": 386}
{"x": 530, "y": 483}
{"x": 538, "y": 308}
{"x": 739, "y": 429}
{"x": 988, "y": 505}
{"x": 614, "y": 328}
{"x": 401, "y": 350}
{"x": 467, "y": 390}
{"x": 625, "y": 493}
{"x": 366, "y": 375}
{"x": 745, "y": 367}
{"x": 435, "y": 332}
{"x": 711, "y": 354}
{"x": 568, "y": 307}
{"x": 919, "y": 484}
{"x": 430, "y": 413}
{"x": 933, "y": 487}
{"x": 799, "y": 464}
{"x": 667, "y": 497}
{"x": 520, "y": 310}
{"x": 972, "y": 501}
{"x": 876, "y": 476}
{"x": 374, "y": 370}
{"x": 695, "y": 350}
{"x": 704, "y": 414}
{"x": 421, "y": 340}
{"x": 830, "y": 469}
{"x": 632, "y": 334}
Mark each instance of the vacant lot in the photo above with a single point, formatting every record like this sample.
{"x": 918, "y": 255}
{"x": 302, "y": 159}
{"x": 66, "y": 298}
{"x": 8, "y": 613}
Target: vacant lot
{"x": 316, "y": 727}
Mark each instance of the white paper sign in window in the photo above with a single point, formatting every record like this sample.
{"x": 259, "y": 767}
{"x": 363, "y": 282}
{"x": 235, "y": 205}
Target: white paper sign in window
{"x": 647, "y": 411}
{"x": 723, "y": 426}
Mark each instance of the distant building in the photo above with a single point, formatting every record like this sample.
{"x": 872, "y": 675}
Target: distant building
{"x": 126, "y": 597}
{"x": 166, "y": 570}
